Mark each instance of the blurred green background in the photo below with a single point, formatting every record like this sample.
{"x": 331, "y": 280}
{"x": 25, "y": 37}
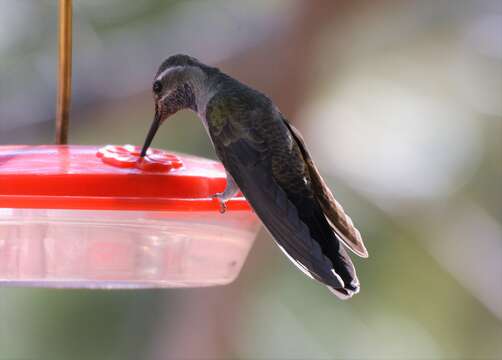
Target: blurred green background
{"x": 400, "y": 102}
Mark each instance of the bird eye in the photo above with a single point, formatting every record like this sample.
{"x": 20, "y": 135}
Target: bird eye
{"x": 157, "y": 87}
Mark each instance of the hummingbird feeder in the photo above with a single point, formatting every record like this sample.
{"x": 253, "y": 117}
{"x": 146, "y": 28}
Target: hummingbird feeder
{"x": 102, "y": 217}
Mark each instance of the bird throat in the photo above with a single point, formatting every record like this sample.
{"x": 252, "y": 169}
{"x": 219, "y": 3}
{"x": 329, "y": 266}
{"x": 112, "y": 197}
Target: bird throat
{"x": 181, "y": 98}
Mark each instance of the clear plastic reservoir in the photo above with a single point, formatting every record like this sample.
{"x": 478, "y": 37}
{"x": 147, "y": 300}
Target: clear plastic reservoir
{"x": 117, "y": 249}
{"x": 108, "y": 228}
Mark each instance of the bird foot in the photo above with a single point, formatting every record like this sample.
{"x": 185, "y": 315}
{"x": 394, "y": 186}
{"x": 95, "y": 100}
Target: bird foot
{"x": 222, "y": 201}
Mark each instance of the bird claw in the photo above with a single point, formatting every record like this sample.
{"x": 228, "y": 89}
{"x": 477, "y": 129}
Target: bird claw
{"x": 221, "y": 202}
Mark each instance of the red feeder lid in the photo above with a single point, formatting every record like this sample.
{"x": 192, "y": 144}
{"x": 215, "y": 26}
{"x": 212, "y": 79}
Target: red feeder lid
{"x": 109, "y": 178}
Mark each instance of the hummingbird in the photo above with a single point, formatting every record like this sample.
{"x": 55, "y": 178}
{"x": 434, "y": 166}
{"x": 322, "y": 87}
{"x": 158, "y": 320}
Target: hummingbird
{"x": 265, "y": 157}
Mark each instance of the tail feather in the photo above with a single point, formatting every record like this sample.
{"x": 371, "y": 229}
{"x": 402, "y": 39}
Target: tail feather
{"x": 312, "y": 215}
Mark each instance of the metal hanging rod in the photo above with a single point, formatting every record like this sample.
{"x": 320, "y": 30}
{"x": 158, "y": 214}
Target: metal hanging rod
{"x": 64, "y": 71}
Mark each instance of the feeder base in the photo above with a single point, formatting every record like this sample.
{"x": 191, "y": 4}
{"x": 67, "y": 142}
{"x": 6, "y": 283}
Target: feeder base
{"x": 122, "y": 249}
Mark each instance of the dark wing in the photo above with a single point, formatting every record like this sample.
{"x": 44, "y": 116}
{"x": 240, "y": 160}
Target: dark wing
{"x": 340, "y": 222}
{"x": 246, "y": 156}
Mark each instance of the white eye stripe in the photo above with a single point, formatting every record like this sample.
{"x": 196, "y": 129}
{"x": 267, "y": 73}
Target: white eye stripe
{"x": 166, "y": 71}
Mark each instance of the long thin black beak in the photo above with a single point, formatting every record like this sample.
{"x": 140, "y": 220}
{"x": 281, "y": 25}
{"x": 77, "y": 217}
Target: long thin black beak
{"x": 151, "y": 133}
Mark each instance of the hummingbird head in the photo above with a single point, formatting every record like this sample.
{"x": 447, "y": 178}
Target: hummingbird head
{"x": 175, "y": 87}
